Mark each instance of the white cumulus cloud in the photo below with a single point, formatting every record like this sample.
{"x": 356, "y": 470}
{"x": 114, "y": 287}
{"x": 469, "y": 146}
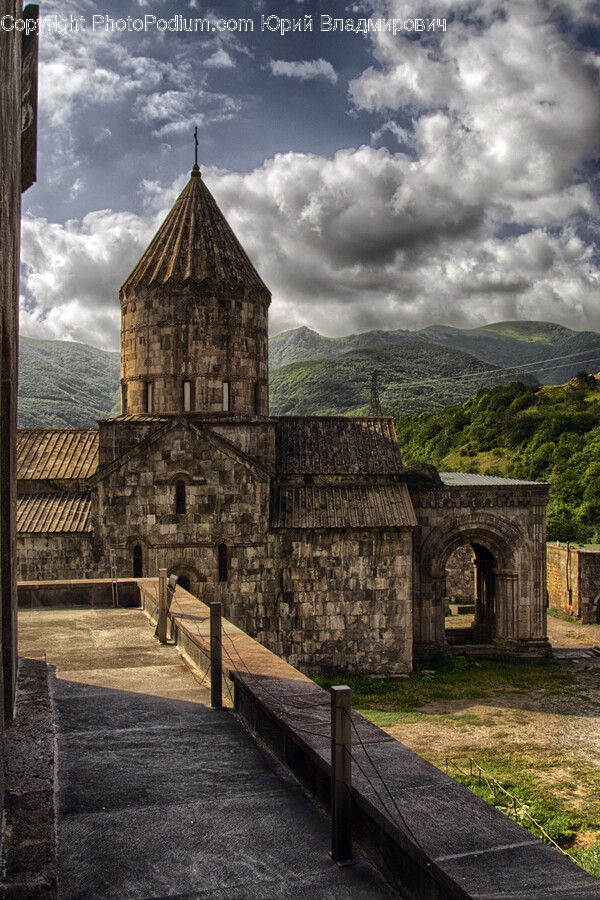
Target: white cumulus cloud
{"x": 304, "y": 69}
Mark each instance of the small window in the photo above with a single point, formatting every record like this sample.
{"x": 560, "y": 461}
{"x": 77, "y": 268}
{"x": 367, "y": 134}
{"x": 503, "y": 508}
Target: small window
{"x": 187, "y": 396}
{"x": 256, "y": 398}
{"x": 180, "y": 498}
{"x": 226, "y": 396}
{"x": 138, "y": 567}
{"x": 222, "y": 562}
{"x": 123, "y": 399}
{"x": 149, "y": 397}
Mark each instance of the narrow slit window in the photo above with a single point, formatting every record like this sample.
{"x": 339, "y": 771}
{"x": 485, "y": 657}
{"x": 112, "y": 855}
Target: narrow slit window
{"x": 256, "y": 398}
{"x": 187, "y": 396}
{"x": 222, "y": 562}
{"x": 149, "y": 397}
{"x": 180, "y": 500}
{"x": 123, "y": 399}
{"x": 138, "y": 564}
{"x": 226, "y": 396}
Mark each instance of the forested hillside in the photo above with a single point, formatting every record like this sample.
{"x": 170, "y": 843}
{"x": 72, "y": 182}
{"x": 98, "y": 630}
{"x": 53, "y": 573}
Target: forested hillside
{"x": 522, "y": 431}
{"x": 413, "y": 376}
{"x": 63, "y": 384}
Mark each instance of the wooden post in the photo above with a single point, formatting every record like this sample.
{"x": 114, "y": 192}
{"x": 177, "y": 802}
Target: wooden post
{"x": 216, "y": 662}
{"x": 162, "y": 606}
{"x": 341, "y": 779}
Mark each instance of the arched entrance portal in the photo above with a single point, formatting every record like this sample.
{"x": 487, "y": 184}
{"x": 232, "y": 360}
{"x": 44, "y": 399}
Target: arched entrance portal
{"x": 499, "y": 564}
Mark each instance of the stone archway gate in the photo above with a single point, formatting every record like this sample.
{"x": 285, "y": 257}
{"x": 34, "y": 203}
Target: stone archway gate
{"x": 508, "y": 518}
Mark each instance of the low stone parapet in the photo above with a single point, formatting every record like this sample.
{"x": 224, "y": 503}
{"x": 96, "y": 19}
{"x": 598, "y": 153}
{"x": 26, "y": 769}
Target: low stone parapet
{"x": 429, "y": 835}
{"x": 96, "y": 593}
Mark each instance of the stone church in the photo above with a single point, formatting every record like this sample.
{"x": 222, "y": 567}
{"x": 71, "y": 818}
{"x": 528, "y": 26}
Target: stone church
{"x": 309, "y": 530}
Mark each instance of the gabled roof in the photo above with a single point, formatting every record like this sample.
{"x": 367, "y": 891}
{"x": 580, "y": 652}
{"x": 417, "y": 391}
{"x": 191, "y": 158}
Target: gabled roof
{"x": 341, "y": 506}
{"x": 315, "y": 445}
{"x": 217, "y": 441}
{"x": 57, "y": 453}
{"x": 196, "y": 243}
{"x": 53, "y": 513}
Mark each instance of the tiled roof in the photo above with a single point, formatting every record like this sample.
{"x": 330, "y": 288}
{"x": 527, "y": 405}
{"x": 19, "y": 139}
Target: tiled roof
{"x": 319, "y": 445}
{"x": 57, "y": 453}
{"x": 195, "y": 242}
{"x": 52, "y": 513}
{"x": 464, "y": 479}
{"x": 341, "y": 506}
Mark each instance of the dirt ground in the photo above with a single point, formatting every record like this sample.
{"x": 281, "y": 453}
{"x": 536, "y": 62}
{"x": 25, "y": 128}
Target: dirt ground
{"x": 570, "y": 634}
{"x": 534, "y": 724}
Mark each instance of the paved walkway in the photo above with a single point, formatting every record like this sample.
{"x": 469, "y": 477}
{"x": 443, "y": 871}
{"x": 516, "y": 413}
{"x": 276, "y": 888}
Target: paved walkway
{"x": 159, "y": 796}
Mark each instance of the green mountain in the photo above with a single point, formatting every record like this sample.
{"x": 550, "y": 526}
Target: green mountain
{"x": 527, "y": 432}
{"x": 553, "y": 353}
{"x": 68, "y": 384}
{"x": 63, "y": 384}
{"x": 413, "y": 376}
{"x": 550, "y": 352}
{"x": 303, "y": 343}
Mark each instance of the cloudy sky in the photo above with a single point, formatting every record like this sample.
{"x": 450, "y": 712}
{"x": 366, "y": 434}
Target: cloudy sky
{"x": 376, "y": 180}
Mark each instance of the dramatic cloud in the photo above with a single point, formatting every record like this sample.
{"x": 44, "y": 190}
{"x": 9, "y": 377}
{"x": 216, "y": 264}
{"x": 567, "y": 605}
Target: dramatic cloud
{"x": 304, "y": 69}
{"x": 475, "y": 201}
{"x": 353, "y": 243}
{"x": 71, "y": 274}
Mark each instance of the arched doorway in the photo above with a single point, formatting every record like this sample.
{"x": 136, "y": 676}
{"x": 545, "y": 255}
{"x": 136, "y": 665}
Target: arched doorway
{"x": 471, "y": 584}
{"x": 500, "y": 563}
{"x": 183, "y": 582}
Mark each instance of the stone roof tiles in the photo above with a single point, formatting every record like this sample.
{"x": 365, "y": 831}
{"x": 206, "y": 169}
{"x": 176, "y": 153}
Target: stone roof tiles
{"x": 196, "y": 243}
{"x": 341, "y": 506}
{"x": 56, "y": 453}
{"x": 53, "y": 513}
{"x": 318, "y": 445}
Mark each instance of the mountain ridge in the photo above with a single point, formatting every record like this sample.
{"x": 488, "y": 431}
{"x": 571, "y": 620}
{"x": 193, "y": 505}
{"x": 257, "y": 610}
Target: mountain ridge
{"x": 69, "y": 384}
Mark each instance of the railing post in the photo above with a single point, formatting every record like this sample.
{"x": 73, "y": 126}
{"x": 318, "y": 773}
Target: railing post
{"x": 113, "y": 576}
{"x": 216, "y": 662}
{"x": 162, "y": 606}
{"x": 341, "y": 777}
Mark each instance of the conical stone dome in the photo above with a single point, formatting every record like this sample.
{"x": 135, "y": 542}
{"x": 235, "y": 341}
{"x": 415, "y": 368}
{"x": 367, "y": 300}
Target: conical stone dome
{"x": 194, "y": 314}
{"x": 195, "y": 242}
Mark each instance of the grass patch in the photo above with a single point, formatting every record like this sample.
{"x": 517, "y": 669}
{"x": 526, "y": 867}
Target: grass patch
{"x": 531, "y": 778}
{"x": 449, "y": 678}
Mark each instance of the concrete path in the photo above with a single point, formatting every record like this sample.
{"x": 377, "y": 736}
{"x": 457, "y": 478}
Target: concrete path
{"x": 159, "y": 796}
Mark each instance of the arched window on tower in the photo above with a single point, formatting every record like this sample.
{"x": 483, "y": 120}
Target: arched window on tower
{"x": 138, "y": 563}
{"x": 222, "y": 562}
{"x": 180, "y": 500}
{"x": 148, "y": 398}
{"x": 187, "y": 396}
{"x": 226, "y": 396}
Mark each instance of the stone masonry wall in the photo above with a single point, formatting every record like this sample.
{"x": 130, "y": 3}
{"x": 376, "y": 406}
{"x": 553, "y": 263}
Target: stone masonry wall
{"x": 574, "y": 581}
{"x": 57, "y": 557}
{"x": 329, "y": 601}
